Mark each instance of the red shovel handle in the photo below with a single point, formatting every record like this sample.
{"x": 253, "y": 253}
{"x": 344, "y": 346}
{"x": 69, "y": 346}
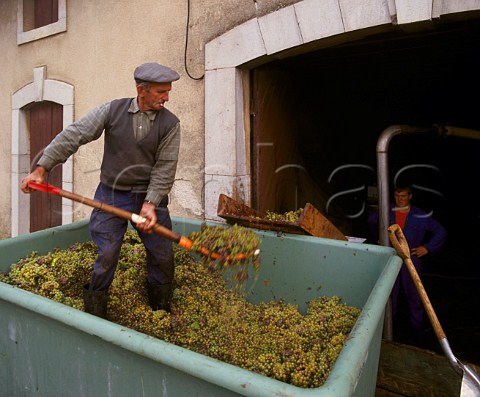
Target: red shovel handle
{"x": 130, "y": 216}
{"x": 44, "y": 187}
{"x": 182, "y": 241}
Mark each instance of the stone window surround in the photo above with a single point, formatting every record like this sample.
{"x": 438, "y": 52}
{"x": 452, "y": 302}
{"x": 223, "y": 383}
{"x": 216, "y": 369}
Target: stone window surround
{"x": 227, "y": 171}
{"x": 41, "y": 89}
{"x": 43, "y": 31}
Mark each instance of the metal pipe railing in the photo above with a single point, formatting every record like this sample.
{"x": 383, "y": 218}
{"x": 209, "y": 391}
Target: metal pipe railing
{"x": 383, "y": 144}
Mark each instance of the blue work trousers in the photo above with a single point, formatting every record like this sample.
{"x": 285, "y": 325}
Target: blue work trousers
{"x": 414, "y": 303}
{"x": 107, "y": 233}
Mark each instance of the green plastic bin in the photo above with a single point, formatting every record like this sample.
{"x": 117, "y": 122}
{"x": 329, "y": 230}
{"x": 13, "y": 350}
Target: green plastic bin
{"x": 49, "y": 349}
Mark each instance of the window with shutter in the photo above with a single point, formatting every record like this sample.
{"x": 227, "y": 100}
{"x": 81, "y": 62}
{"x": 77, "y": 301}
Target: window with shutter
{"x": 45, "y": 12}
{"x": 37, "y": 19}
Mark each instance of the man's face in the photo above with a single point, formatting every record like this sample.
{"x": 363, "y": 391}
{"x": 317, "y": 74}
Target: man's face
{"x": 154, "y": 97}
{"x": 402, "y": 199}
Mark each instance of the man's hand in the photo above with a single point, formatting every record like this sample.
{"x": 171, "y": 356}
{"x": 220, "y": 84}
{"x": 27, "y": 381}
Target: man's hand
{"x": 38, "y": 175}
{"x": 419, "y": 251}
{"x": 148, "y": 212}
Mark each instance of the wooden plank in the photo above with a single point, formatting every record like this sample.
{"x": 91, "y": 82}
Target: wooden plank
{"x": 310, "y": 221}
{"x": 228, "y": 207}
{"x": 410, "y": 371}
{"x": 385, "y": 393}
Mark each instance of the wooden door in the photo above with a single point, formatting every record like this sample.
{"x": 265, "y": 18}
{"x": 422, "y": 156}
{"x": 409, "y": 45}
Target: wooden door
{"x": 46, "y": 121}
{"x": 281, "y": 177}
{"x": 277, "y": 167}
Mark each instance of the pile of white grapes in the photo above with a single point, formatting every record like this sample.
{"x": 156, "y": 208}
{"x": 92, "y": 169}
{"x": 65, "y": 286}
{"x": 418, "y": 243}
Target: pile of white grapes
{"x": 273, "y": 339}
{"x": 289, "y": 216}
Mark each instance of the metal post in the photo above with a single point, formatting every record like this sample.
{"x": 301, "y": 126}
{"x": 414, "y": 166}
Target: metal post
{"x": 384, "y": 200}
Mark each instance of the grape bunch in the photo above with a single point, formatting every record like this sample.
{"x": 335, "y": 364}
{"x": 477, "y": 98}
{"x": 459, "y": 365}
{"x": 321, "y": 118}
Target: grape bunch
{"x": 236, "y": 247}
{"x": 289, "y": 216}
{"x": 59, "y": 275}
{"x": 207, "y": 316}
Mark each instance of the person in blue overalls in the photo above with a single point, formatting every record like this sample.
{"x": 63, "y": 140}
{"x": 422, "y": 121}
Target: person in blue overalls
{"x": 141, "y": 146}
{"x": 425, "y": 236}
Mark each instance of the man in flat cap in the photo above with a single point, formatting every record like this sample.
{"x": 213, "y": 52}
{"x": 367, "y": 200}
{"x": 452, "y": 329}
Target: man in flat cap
{"x": 142, "y": 140}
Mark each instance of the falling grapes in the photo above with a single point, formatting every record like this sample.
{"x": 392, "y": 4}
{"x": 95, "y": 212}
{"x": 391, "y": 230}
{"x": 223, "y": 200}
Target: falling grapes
{"x": 273, "y": 339}
{"x": 236, "y": 247}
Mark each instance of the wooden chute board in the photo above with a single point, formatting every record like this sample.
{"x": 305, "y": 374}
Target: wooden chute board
{"x": 310, "y": 221}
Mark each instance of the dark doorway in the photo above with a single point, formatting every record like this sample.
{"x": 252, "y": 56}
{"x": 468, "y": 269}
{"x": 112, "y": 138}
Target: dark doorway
{"x": 46, "y": 121}
{"x": 324, "y": 112}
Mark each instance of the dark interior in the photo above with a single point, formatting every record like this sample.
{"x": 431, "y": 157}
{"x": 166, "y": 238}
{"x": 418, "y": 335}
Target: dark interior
{"x": 324, "y": 112}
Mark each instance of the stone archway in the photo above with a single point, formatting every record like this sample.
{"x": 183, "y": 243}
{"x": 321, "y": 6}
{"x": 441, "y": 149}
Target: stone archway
{"x": 305, "y": 26}
{"x": 41, "y": 89}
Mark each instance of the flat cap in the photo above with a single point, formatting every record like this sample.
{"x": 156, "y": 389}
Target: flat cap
{"x": 155, "y": 73}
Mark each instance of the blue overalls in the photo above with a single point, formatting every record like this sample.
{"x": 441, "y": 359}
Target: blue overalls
{"x": 417, "y": 225}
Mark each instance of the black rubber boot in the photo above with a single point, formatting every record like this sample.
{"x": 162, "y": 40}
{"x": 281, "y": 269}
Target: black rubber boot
{"x": 95, "y": 302}
{"x": 159, "y": 296}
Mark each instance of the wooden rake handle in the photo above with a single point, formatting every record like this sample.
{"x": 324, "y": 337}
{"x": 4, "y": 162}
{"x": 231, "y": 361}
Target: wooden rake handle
{"x": 401, "y": 246}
